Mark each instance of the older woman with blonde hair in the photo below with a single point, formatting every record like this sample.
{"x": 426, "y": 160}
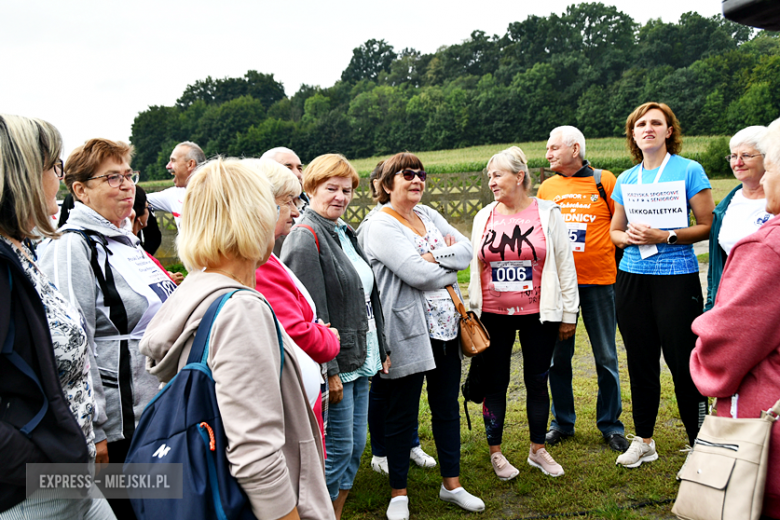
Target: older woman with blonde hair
{"x": 323, "y": 252}
{"x": 292, "y": 303}
{"x": 46, "y": 395}
{"x": 523, "y": 281}
{"x": 226, "y": 233}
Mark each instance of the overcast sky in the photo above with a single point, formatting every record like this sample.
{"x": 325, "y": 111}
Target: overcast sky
{"x": 89, "y": 67}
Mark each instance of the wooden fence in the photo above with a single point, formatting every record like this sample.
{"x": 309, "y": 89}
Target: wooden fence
{"x": 457, "y": 196}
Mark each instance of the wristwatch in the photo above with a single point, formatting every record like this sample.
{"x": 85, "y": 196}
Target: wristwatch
{"x": 672, "y": 238}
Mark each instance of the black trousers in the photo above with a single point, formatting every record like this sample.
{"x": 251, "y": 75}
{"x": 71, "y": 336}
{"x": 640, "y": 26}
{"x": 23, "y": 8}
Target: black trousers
{"x": 403, "y": 405}
{"x": 655, "y": 314}
{"x": 117, "y": 453}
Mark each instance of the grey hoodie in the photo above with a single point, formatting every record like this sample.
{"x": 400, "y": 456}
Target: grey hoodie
{"x": 275, "y": 448}
{"x": 66, "y": 262}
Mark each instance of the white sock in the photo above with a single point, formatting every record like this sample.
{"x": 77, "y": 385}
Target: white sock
{"x": 401, "y": 498}
{"x": 458, "y": 489}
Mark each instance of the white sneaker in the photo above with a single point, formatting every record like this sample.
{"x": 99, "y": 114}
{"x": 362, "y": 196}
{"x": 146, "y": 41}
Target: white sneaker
{"x": 462, "y": 498}
{"x": 420, "y": 458}
{"x": 379, "y": 464}
{"x": 637, "y": 453}
{"x": 398, "y": 508}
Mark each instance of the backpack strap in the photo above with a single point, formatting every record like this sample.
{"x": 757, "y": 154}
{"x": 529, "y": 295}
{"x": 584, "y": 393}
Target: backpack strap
{"x": 316, "y": 240}
{"x": 19, "y": 362}
{"x": 117, "y": 312}
{"x": 600, "y": 187}
{"x": 199, "y": 352}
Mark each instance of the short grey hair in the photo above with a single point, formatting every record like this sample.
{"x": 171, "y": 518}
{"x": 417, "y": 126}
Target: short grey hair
{"x": 770, "y": 143}
{"x": 513, "y": 158}
{"x": 750, "y": 136}
{"x": 570, "y": 136}
{"x": 194, "y": 152}
{"x": 273, "y": 152}
{"x": 284, "y": 183}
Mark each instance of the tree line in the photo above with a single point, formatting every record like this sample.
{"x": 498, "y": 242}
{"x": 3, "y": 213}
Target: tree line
{"x": 589, "y": 67}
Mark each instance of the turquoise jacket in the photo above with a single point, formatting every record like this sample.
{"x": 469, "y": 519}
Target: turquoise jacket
{"x": 718, "y": 256}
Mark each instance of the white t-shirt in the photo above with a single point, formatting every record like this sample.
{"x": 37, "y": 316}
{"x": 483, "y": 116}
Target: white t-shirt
{"x": 743, "y": 217}
{"x": 170, "y": 200}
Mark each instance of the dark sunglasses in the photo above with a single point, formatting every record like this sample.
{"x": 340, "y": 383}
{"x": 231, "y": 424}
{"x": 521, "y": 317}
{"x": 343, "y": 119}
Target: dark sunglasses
{"x": 409, "y": 174}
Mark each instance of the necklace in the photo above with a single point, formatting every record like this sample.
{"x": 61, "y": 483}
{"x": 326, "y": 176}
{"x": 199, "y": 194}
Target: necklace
{"x": 234, "y": 277}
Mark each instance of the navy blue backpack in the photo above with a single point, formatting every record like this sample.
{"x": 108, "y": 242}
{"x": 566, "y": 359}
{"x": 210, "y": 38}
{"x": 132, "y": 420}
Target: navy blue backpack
{"x": 182, "y": 424}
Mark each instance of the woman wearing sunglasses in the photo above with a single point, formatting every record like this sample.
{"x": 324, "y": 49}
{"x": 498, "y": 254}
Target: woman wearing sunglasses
{"x": 324, "y": 254}
{"x": 523, "y": 280}
{"x": 100, "y": 266}
{"x": 415, "y": 255}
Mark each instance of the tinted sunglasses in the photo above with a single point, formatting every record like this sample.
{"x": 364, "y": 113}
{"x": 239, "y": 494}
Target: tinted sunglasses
{"x": 409, "y": 174}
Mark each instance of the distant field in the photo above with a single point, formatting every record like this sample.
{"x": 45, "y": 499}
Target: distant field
{"x": 608, "y": 152}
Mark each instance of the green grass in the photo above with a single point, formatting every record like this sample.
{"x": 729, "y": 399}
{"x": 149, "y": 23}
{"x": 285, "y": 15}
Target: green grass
{"x": 703, "y": 258}
{"x": 592, "y": 486}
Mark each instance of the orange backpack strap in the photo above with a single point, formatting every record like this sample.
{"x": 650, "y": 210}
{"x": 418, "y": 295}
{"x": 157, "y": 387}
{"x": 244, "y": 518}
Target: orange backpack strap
{"x": 316, "y": 240}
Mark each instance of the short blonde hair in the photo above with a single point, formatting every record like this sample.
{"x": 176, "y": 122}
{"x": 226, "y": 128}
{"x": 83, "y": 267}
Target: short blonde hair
{"x": 28, "y": 148}
{"x": 228, "y": 212}
{"x": 514, "y": 160}
{"x": 284, "y": 183}
{"x": 326, "y": 166}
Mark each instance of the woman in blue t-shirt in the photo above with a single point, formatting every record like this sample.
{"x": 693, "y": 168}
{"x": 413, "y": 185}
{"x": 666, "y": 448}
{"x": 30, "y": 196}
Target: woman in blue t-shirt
{"x": 658, "y": 292}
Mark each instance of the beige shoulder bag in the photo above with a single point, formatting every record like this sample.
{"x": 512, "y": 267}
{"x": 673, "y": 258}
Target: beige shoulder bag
{"x": 724, "y": 475}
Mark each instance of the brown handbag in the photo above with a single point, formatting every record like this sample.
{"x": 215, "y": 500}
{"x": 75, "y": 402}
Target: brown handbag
{"x": 474, "y": 337}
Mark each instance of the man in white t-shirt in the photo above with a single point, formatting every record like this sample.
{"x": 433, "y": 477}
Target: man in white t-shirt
{"x": 184, "y": 159}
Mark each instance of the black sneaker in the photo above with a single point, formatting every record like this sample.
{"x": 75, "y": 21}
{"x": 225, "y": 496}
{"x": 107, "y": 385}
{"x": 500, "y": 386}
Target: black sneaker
{"x": 554, "y": 437}
{"x": 617, "y": 442}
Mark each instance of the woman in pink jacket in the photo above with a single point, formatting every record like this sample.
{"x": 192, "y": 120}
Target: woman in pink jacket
{"x": 287, "y": 295}
{"x": 737, "y": 356}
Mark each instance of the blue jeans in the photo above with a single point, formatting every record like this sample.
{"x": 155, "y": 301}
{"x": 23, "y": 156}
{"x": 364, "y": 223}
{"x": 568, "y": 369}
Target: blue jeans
{"x": 597, "y": 303}
{"x": 346, "y": 436}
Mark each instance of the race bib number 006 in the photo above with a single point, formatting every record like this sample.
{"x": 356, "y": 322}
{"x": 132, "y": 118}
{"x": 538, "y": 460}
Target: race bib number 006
{"x": 515, "y": 275}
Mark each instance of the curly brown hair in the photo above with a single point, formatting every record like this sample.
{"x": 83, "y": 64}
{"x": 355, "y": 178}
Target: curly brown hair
{"x": 673, "y": 142}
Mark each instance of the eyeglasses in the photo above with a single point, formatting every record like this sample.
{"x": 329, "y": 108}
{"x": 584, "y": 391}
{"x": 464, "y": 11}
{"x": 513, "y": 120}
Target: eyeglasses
{"x": 293, "y": 203}
{"x": 409, "y": 174}
{"x": 115, "y": 180}
{"x": 745, "y": 157}
{"x": 59, "y": 169}
{"x": 278, "y": 211}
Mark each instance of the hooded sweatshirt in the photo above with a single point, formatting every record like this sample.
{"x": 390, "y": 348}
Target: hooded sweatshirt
{"x": 738, "y": 350}
{"x": 275, "y": 449}
{"x": 121, "y": 384}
